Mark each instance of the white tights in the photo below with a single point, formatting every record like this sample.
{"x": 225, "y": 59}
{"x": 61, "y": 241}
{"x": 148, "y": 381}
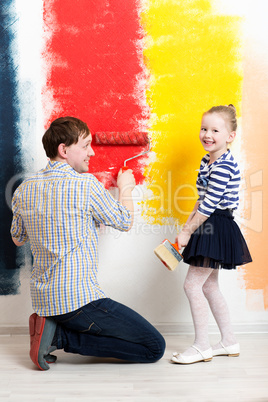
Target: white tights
{"x": 202, "y": 288}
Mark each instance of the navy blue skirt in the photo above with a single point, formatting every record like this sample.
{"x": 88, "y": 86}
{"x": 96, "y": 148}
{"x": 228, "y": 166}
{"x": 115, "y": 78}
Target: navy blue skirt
{"x": 217, "y": 243}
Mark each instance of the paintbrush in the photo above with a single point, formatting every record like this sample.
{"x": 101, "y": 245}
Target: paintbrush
{"x": 169, "y": 254}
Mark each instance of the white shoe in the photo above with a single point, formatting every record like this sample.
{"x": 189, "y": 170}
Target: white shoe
{"x": 205, "y": 356}
{"x": 233, "y": 350}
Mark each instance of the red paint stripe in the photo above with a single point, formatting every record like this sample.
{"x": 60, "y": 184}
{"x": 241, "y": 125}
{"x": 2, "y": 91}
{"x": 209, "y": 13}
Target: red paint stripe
{"x": 92, "y": 63}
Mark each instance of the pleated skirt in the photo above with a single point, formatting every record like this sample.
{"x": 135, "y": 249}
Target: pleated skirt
{"x": 217, "y": 243}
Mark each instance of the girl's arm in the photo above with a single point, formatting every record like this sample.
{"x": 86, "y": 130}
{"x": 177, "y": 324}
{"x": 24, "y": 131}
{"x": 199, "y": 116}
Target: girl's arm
{"x": 192, "y": 214}
{"x": 193, "y": 222}
{"x": 219, "y": 177}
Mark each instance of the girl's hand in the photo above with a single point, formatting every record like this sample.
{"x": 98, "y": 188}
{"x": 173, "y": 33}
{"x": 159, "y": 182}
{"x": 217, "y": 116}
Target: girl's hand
{"x": 182, "y": 239}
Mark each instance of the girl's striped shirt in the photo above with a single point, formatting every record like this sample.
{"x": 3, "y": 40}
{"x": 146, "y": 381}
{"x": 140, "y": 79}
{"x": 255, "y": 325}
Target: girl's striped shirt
{"x": 218, "y": 184}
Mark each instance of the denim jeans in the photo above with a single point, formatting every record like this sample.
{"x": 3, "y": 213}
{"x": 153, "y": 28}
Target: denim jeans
{"x": 106, "y": 328}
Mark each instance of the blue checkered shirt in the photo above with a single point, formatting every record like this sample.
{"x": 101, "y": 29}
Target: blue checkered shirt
{"x": 60, "y": 211}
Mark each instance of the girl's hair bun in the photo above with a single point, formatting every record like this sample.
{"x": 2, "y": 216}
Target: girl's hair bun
{"x": 232, "y": 107}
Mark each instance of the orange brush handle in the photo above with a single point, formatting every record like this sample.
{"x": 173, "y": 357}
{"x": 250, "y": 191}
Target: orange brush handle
{"x": 175, "y": 245}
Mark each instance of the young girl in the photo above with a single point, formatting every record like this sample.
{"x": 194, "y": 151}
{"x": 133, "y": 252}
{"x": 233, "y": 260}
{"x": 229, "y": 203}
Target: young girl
{"x": 211, "y": 238}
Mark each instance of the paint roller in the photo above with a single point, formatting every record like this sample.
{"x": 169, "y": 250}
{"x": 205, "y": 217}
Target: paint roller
{"x": 169, "y": 254}
{"x": 124, "y": 138}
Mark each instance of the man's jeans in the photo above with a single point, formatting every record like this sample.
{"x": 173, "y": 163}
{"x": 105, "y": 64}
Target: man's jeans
{"x": 107, "y": 328}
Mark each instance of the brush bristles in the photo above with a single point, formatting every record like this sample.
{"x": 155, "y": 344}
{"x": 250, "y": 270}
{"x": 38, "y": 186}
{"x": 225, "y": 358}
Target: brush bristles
{"x": 166, "y": 257}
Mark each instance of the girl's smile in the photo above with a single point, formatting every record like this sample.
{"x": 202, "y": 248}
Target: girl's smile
{"x": 215, "y": 135}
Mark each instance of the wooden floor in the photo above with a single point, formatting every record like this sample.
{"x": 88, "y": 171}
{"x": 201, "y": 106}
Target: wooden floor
{"x": 77, "y": 378}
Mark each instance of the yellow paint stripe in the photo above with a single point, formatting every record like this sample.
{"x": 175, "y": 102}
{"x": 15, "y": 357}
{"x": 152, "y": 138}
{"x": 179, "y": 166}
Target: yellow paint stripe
{"x": 193, "y": 55}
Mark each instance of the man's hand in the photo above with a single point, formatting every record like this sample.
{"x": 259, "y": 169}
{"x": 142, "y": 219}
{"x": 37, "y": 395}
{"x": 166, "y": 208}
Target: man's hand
{"x": 126, "y": 183}
{"x": 17, "y": 243}
{"x": 126, "y": 180}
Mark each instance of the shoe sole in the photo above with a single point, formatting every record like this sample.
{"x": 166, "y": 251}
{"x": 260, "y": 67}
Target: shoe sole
{"x": 230, "y": 355}
{"x": 196, "y": 361}
{"x": 50, "y": 359}
{"x": 36, "y": 327}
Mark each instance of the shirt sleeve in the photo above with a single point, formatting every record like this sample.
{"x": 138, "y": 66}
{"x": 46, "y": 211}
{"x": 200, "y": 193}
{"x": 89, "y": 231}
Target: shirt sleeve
{"x": 18, "y": 230}
{"x": 107, "y": 210}
{"x": 217, "y": 183}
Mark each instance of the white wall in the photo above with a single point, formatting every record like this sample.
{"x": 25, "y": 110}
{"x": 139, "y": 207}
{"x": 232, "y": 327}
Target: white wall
{"x": 131, "y": 274}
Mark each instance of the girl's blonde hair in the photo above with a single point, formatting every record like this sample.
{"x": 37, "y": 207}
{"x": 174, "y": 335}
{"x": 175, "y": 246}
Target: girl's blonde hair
{"x": 229, "y": 115}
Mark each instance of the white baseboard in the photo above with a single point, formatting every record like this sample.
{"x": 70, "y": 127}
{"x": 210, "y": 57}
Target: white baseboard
{"x": 163, "y": 328}
{"x": 187, "y": 328}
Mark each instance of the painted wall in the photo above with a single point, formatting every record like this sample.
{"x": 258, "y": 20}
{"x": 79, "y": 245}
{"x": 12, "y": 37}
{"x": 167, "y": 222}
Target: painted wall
{"x": 150, "y": 66}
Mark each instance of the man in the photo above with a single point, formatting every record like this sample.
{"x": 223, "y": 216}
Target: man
{"x": 59, "y": 210}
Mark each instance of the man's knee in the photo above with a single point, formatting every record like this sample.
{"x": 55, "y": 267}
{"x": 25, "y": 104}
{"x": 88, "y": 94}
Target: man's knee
{"x": 159, "y": 350}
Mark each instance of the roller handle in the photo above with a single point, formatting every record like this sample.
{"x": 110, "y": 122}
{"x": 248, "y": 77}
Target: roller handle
{"x": 124, "y": 168}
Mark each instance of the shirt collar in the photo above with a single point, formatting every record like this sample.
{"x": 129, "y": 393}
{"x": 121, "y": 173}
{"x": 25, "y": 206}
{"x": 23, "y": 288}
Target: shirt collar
{"x": 62, "y": 166}
{"x": 223, "y": 157}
